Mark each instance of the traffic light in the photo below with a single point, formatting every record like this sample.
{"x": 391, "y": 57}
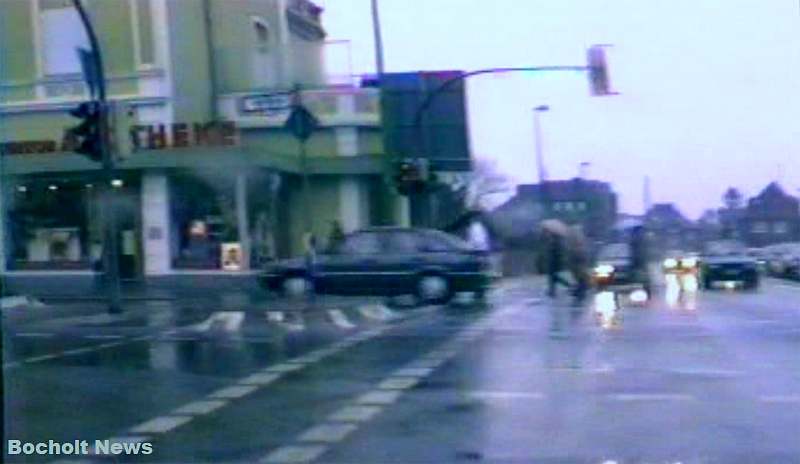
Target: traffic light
{"x": 411, "y": 176}
{"x": 599, "y": 83}
{"x": 87, "y": 133}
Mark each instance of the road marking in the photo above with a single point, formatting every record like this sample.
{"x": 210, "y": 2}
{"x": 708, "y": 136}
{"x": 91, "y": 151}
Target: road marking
{"x": 504, "y": 395}
{"x": 379, "y": 397}
{"x": 9, "y": 365}
{"x": 103, "y": 337}
{"x": 275, "y": 316}
{"x": 284, "y": 368}
{"x": 398, "y": 383}
{"x": 235, "y": 391}
{"x": 413, "y": 372}
{"x": 339, "y": 319}
{"x": 707, "y": 372}
{"x": 261, "y": 379}
{"x": 109, "y": 345}
{"x": 294, "y": 454}
{"x": 650, "y": 397}
{"x": 75, "y": 351}
{"x": 428, "y": 363}
{"x": 200, "y": 407}
{"x": 35, "y": 335}
{"x": 780, "y": 398}
{"x": 161, "y": 424}
{"x": 327, "y": 433}
{"x": 36, "y": 359}
{"x": 355, "y": 413}
{"x": 387, "y": 392}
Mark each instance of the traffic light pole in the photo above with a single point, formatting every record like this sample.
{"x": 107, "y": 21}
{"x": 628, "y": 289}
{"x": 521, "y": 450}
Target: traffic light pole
{"x": 111, "y": 248}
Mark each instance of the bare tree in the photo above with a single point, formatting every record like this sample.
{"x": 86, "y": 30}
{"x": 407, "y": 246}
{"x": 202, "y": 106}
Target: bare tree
{"x": 483, "y": 186}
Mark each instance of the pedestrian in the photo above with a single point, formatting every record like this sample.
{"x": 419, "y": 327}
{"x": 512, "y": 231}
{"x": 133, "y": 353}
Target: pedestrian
{"x": 310, "y": 243}
{"x": 578, "y": 263}
{"x": 640, "y": 258}
{"x": 336, "y": 235}
{"x": 552, "y": 234}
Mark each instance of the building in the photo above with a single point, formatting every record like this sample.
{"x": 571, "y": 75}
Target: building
{"x": 215, "y": 183}
{"x": 590, "y": 204}
{"x": 669, "y": 229}
{"x": 772, "y": 216}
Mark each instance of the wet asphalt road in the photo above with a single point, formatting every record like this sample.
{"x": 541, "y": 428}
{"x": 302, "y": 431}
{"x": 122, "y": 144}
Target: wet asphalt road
{"x": 710, "y": 378}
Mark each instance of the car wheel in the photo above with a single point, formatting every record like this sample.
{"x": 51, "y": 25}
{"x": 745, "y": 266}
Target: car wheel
{"x": 434, "y": 289}
{"x": 296, "y": 286}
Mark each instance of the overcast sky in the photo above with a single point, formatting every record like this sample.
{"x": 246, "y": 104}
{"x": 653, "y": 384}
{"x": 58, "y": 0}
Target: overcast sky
{"x": 709, "y": 88}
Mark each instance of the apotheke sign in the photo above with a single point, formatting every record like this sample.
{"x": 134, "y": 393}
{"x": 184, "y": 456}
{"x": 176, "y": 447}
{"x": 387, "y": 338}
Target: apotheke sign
{"x": 142, "y": 137}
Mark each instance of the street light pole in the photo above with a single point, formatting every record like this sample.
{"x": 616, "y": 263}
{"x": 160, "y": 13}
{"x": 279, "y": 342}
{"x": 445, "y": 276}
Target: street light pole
{"x": 111, "y": 250}
{"x": 537, "y": 128}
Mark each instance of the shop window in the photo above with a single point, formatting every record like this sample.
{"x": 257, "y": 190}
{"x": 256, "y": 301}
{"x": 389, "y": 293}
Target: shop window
{"x": 760, "y": 227}
{"x": 52, "y": 225}
{"x": 203, "y": 211}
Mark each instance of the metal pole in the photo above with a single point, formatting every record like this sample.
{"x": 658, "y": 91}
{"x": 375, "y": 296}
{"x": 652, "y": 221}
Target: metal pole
{"x": 376, "y": 29}
{"x": 537, "y": 128}
{"x": 111, "y": 248}
{"x": 306, "y": 187}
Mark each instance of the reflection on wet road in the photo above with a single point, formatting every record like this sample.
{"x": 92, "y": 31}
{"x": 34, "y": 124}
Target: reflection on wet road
{"x": 688, "y": 377}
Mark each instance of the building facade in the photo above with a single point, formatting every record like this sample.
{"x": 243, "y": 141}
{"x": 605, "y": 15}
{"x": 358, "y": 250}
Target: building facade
{"x": 214, "y": 182}
{"x": 771, "y": 217}
{"x": 669, "y": 229}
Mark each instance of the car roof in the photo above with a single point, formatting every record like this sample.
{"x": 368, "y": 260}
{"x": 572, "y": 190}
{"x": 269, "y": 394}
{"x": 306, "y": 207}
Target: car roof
{"x": 387, "y": 229}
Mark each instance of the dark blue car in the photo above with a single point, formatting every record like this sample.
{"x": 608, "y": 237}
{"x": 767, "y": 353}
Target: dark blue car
{"x": 387, "y": 261}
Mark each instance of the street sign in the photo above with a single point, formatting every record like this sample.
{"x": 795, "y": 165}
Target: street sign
{"x": 301, "y": 122}
{"x": 271, "y": 103}
{"x": 90, "y": 74}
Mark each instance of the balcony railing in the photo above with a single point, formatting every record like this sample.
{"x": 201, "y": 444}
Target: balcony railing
{"x": 334, "y": 106}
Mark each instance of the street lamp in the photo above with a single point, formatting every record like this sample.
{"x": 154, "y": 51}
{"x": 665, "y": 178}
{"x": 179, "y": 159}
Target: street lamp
{"x": 537, "y": 127}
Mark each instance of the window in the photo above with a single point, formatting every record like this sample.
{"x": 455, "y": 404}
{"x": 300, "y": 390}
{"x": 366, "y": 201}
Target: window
{"x": 557, "y": 206}
{"x": 568, "y": 206}
{"x": 402, "y": 242}
{"x": 62, "y": 33}
{"x": 780, "y": 227}
{"x": 143, "y": 32}
{"x": 581, "y": 206}
{"x": 261, "y": 33}
{"x": 362, "y": 244}
{"x": 760, "y": 227}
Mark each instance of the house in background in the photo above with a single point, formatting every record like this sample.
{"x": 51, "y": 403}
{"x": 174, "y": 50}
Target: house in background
{"x": 772, "y": 216}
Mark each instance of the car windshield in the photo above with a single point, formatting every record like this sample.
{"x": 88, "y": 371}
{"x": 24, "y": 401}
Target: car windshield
{"x": 725, "y": 248}
{"x": 400, "y": 231}
{"x": 617, "y": 251}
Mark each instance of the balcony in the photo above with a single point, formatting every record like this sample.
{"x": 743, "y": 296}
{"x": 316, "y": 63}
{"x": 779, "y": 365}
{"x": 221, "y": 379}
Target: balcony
{"x": 333, "y": 106}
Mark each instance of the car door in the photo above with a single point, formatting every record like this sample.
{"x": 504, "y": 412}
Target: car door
{"x": 404, "y": 258}
{"x": 353, "y": 267}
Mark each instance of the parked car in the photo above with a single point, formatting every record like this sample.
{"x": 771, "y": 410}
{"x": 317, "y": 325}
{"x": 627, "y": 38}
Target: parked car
{"x": 727, "y": 261}
{"x": 388, "y": 261}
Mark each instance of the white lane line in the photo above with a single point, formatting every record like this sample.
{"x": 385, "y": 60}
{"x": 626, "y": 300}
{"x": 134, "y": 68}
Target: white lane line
{"x": 36, "y": 359}
{"x": 161, "y": 424}
{"x": 707, "y": 372}
{"x": 35, "y": 335}
{"x": 283, "y": 368}
{"x": 339, "y": 319}
{"x": 398, "y": 383}
{"x": 233, "y": 392}
{"x": 199, "y": 407}
{"x": 109, "y": 345}
{"x": 650, "y": 397}
{"x": 275, "y": 316}
{"x": 379, "y": 397}
{"x": 262, "y": 379}
{"x": 294, "y": 454}
{"x": 413, "y": 372}
{"x": 74, "y": 351}
{"x": 428, "y": 363}
{"x": 504, "y": 395}
{"x": 355, "y": 413}
{"x": 780, "y": 399}
{"x": 102, "y": 337}
{"x": 387, "y": 391}
{"x": 327, "y": 433}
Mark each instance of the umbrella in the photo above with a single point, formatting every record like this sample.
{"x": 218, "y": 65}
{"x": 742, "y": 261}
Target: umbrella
{"x": 556, "y": 227}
